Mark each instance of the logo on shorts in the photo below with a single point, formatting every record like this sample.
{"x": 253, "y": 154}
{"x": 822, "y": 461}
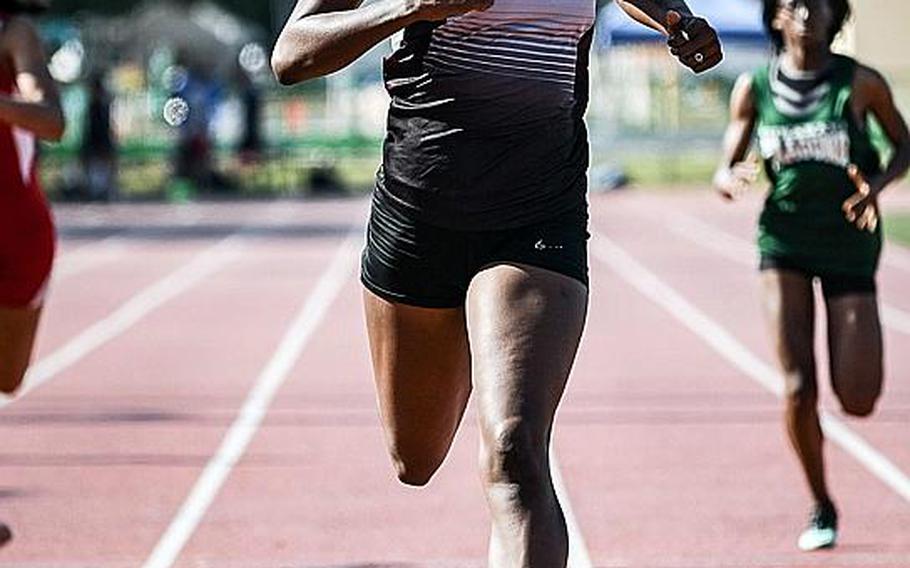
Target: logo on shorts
{"x": 541, "y": 245}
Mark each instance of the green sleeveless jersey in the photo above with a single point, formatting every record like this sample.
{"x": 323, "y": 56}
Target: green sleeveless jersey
{"x": 806, "y": 150}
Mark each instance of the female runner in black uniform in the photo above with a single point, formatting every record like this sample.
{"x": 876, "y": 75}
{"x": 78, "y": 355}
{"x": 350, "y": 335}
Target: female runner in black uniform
{"x": 475, "y": 270}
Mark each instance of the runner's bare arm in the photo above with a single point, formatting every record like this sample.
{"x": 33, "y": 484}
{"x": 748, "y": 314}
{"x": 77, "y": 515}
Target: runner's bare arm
{"x": 36, "y": 107}
{"x": 691, "y": 39}
{"x": 653, "y": 13}
{"x": 735, "y": 173}
{"x": 323, "y": 36}
{"x": 874, "y": 95}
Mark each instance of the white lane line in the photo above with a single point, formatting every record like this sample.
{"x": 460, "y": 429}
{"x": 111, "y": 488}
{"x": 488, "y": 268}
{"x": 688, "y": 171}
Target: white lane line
{"x": 141, "y": 304}
{"x": 894, "y": 256}
{"x": 89, "y": 256}
{"x": 254, "y": 409}
{"x": 128, "y": 314}
{"x": 578, "y": 549}
{"x": 896, "y": 319}
{"x": 115, "y": 246}
{"x": 725, "y": 244}
{"x": 112, "y": 248}
{"x": 897, "y": 256}
{"x": 874, "y": 460}
{"x": 730, "y": 348}
{"x": 109, "y": 248}
{"x": 743, "y": 252}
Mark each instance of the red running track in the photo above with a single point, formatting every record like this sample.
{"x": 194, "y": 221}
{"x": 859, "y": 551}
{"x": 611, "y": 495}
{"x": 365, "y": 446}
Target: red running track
{"x": 163, "y": 321}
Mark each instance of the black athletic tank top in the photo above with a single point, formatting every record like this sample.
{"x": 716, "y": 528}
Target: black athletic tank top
{"x": 486, "y": 128}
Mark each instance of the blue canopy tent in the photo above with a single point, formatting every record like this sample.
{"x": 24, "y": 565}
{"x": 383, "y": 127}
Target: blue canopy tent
{"x": 737, "y": 21}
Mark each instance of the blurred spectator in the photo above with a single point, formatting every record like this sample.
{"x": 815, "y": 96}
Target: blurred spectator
{"x": 99, "y": 149}
{"x": 195, "y": 152}
{"x": 250, "y": 149}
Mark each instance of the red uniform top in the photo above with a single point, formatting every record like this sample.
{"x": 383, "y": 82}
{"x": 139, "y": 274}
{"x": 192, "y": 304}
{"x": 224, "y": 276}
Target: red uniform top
{"x": 26, "y": 229}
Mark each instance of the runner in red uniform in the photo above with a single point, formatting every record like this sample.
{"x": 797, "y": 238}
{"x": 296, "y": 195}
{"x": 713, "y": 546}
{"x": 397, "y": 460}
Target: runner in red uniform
{"x": 29, "y": 111}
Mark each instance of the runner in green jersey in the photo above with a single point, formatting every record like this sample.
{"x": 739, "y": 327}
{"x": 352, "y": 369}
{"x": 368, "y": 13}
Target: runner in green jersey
{"x": 808, "y": 110}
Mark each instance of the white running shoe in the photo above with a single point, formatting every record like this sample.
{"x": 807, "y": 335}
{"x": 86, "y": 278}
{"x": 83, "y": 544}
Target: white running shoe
{"x": 822, "y": 530}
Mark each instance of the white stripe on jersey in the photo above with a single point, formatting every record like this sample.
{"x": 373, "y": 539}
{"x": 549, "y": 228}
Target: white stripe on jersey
{"x": 25, "y": 148}
{"x": 24, "y": 142}
{"x": 530, "y": 39}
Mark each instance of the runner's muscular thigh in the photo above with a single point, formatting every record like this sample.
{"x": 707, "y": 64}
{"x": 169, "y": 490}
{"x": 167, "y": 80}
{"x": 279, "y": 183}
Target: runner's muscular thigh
{"x": 525, "y": 326}
{"x": 422, "y": 369}
{"x": 855, "y": 346}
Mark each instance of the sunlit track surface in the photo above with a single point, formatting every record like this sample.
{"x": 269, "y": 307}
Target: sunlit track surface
{"x": 670, "y": 455}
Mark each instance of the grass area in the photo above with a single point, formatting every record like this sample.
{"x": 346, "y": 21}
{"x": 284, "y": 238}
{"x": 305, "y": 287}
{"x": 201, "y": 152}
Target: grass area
{"x": 897, "y": 227}
{"x": 148, "y": 175}
{"x": 688, "y": 168}
{"x": 662, "y": 164}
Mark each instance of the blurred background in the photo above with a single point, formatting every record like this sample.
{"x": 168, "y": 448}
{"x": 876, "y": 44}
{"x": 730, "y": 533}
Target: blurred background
{"x": 200, "y": 206}
{"x": 175, "y": 100}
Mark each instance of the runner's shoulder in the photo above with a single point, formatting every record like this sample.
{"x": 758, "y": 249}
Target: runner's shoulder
{"x": 19, "y": 31}
{"x": 869, "y": 77}
{"x": 742, "y": 99}
{"x": 745, "y": 81}
{"x": 870, "y": 84}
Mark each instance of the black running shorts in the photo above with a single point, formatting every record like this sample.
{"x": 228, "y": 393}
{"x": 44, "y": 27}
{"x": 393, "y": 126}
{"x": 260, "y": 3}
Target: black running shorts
{"x": 410, "y": 262}
{"x": 834, "y": 284}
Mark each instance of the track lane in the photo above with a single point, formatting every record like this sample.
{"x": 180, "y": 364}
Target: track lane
{"x": 671, "y": 460}
{"x": 116, "y": 441}
{"x": 319, "y": 484}
{"x": 710, "y": 234}
{"x": 703, "y": 278}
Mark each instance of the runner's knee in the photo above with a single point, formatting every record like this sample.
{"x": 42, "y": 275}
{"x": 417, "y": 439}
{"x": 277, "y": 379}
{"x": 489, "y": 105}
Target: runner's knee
{"x": 858, "y": 402}
{"x": 415, "y": 468}
{"x": 800, "y": 388}
{"x": 514, "y": 456}
{"x": 11, "y": 380}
